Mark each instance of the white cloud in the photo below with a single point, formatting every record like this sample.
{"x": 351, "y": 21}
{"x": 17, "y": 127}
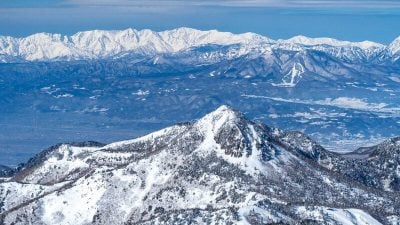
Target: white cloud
{"x": 266, "y": 3}
{"x": 352, "y": 103}
{"x": 340, "y": 102}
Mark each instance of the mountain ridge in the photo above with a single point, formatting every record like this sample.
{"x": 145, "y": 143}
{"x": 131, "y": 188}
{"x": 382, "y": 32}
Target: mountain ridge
{"x": 220, "y": 168}
{"x": 97, "y": 44}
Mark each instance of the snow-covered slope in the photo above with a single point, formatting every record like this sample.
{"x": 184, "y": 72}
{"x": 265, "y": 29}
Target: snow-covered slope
{"x": 394, "y": 48}
{"x": 99, "y": 44}
{"x": 219, "y": 169}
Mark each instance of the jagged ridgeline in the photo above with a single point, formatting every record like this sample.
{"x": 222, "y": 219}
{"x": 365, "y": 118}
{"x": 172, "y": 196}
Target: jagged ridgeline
{"x": 99, "y": 44}
{"x": 220, "y": 169}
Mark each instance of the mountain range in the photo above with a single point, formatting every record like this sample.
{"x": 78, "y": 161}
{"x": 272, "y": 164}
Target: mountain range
{"x": 98, "y": 44}
{"x": 219, "y": 169}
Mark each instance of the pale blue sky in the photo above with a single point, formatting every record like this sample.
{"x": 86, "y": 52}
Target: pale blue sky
{"x": 353, "y": 20}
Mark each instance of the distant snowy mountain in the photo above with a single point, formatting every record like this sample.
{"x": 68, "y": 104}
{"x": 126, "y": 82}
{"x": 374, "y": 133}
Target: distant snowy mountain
{"x": 99, "y": 44}
{"x": 220, "y": 169}
{"x": 394, "y": 48}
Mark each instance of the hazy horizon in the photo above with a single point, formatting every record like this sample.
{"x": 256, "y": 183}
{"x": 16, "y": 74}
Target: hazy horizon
{"x": 344, "y": 20}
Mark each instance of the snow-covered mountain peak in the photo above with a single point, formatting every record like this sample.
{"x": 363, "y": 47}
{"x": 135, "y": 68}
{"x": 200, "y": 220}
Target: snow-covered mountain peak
{"x": 182, "y": 38}
{"x": 369, "y": 44}
{"x": 303, "y": 40}
{"x": 236, "y": 139}
{"x": 394, "y": 47}
{"x": 44, "y": 37}
{"x": 216, "y": 119}
{"x": 223, "y": 110}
